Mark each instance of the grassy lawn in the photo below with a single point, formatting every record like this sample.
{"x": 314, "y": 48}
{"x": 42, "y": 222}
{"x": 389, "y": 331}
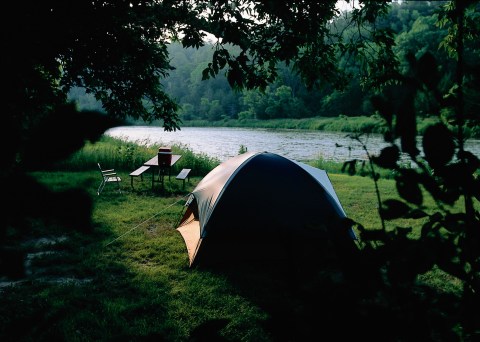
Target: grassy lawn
{"x": 128, "y": 278}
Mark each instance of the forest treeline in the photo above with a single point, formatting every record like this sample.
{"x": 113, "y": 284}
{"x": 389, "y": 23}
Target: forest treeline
{"x": 416, "y": 33}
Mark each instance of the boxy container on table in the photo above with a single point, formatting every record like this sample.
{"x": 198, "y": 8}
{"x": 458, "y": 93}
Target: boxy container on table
{"x": 164, "y": 156}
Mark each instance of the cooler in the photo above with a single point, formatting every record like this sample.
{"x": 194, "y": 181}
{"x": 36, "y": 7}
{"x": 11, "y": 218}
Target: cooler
{"x": 164, "y": 156}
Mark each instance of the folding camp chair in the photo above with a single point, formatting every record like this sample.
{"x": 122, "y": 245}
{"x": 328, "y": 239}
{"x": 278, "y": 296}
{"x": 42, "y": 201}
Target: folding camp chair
{"x": 108, "y": 176}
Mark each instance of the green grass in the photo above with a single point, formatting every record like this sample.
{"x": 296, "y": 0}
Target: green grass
{"x": 127, "y": 156}
{"x": 134, "y": 268}
{"x": 136, "y": 284}
{"x": 129, "y": 278}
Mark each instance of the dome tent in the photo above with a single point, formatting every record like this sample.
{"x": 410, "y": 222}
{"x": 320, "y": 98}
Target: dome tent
{"x": 260, "y": 205}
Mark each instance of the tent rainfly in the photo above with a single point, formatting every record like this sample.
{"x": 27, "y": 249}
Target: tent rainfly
{"x": 260, "y": 205}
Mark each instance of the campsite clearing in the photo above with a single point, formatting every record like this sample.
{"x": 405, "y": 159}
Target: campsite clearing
{"x": 141, "y": 286}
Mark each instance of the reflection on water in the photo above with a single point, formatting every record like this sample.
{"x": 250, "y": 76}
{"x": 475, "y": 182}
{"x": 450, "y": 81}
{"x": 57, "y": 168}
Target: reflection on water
{"x": 224, "y": 143}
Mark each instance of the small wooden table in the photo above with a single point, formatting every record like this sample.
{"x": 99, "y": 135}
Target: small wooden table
{"x": 161, "y": 169}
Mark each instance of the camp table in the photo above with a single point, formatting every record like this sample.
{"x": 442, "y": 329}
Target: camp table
{"x": 161, "y": 169}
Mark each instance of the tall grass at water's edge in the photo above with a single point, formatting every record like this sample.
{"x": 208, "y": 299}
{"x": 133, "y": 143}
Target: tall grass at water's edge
{"x": 342, "y": 123}
{"x": 127, "y": 156}
{"x": 129, "y": 279}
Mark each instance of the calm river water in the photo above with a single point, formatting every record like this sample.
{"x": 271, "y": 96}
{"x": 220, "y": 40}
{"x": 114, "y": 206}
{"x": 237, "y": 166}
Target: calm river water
{"x": 224, "y": 143}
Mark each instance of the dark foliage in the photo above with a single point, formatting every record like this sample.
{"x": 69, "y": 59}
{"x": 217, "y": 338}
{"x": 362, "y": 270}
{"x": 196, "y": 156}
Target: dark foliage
{"x": 449, "y": 240}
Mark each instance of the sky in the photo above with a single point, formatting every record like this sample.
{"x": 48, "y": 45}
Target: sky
{"x": 343, "y": 5}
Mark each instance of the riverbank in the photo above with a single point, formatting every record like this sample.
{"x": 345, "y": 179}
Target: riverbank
{"x": 345, "y": 124}
{"x": 225, "y": 142}
{"x": 373, "y": 124}
{"x": 354, "y": 124}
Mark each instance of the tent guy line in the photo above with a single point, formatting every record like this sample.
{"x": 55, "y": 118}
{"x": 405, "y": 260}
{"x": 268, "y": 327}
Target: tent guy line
{"x": 148, "y": 219}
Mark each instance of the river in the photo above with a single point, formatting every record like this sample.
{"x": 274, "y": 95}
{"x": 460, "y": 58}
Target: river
{"x": 224, "y": 142}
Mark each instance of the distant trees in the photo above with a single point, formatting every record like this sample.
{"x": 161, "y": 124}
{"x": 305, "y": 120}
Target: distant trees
{"x": 287, "y": 97}
{"x": 414, "y": 26}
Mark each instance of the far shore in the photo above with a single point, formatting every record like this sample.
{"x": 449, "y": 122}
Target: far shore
{"x": 342, "y": 123}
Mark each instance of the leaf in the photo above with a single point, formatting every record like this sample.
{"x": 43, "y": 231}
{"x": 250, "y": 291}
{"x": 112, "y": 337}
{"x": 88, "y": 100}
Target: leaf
{"x": 373, "y": 235}
{"x": 408, "y": 187}
{"x": 403, "y": 231}
{"x": 234, "y": 77}
{"x": 455, "y": 222}
{"x": 388, "y": 136}
{"x": 406, "y": 125}
{"x": 408, "y": 259}
{"x": 388, "y": 157}
{"x": 410, "y": 57}
{"x": 205, "y": 74}
{"x": 448, "y": 260}
{"x": 452, "y": 178}
{"x": 222, "y": 62}
{"x": 472, "y": 162}
{"x": 393, "y": 209}
{"x": 350, "y": 166}
{"x": 416, "y": 214}
{"x": 383, "y": 106}
{"x": 431, "y": 185}
{"x": 430, "y": 227}
{"x": 43, "y": 147}
{"x": 438, "y": 145}
{"x": 427, "y": 70}
{"x": 476, "y": 189}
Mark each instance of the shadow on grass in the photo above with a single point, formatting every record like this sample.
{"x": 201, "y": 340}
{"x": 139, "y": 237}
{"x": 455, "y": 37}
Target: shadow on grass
{"x": 318, "y": 296}
{"x": 324, "y": 298}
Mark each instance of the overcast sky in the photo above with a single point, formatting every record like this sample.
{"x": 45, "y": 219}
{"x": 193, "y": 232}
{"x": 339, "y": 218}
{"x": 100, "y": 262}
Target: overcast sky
{"x": 344, "y": 6}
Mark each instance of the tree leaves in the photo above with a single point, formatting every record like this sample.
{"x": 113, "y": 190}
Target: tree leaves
{"x": 384, "y": 108}
{"x": 388, "y": 157}
{"x": 427, "y": 70}
{"x": 408, "y": 187}
{"x": 393, "y": 209}
{"x": 62, "y": 133}
{"x": 406, "y": 124}
{"x": 438, "y": 145}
